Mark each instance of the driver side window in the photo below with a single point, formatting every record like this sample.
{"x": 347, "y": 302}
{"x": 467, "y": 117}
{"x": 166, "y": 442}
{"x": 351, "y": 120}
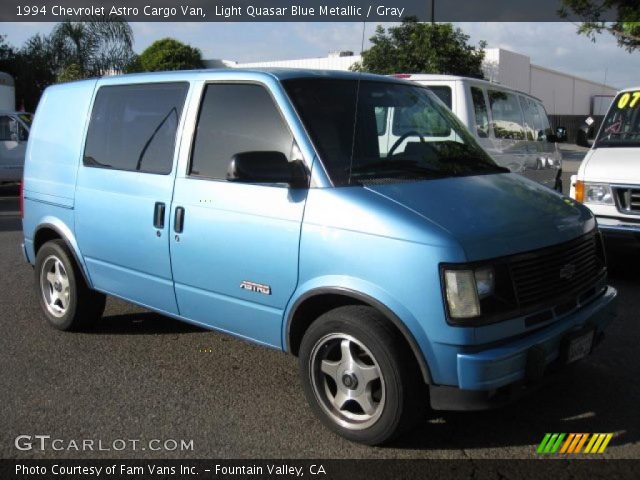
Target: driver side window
{"x": 236, "y": 118}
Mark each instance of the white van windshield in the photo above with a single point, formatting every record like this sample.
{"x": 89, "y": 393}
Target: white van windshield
{"x": 392, "y": 133}
{"x": 621, "y": 127}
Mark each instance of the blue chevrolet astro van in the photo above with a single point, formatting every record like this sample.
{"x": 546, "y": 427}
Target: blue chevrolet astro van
{"x": 262, "y": 204}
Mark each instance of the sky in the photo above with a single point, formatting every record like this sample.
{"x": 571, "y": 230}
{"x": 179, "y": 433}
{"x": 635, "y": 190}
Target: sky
{"x": 552, "y": 45}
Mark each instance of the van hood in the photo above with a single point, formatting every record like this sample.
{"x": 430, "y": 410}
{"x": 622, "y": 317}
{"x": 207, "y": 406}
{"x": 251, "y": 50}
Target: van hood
{"x": 613, "y": 165}
{"x": 493, "y": 215}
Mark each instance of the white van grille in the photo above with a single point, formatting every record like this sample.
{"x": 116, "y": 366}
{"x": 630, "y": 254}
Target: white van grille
{"x": 627, "y": 199}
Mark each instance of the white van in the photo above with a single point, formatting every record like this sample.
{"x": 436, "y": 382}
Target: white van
{"x": 608, "y": 181}
{"x": 511, "y": 126}
{"x": 14, "y": 133}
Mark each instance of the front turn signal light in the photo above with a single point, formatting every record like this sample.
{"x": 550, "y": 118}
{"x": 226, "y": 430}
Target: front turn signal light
{"x": 580, "y": 191}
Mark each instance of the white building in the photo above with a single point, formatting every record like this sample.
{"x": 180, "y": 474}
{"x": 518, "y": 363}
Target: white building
{"x": 563, "y": 94}
{"x": 7, "y": 92}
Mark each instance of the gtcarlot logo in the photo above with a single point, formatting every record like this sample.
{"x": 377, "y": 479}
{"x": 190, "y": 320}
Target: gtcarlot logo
{"x": 45, "y": 443}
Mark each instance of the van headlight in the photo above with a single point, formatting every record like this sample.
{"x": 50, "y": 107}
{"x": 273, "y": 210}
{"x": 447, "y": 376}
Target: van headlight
{"x": 598, "y": 193}
{"x": 465, "y": 288}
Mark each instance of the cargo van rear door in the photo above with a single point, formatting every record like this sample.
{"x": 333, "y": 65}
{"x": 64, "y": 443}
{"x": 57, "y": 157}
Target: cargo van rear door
{"x": 124, "y": 190}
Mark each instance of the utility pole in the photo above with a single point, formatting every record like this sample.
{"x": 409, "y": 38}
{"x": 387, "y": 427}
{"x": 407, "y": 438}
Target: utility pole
{"x": 433, "y": 11}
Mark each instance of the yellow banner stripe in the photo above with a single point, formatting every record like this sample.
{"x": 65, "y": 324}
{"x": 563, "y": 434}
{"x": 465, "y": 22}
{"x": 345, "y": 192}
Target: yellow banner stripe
{"x": 600, "y": 439}
{"x": 582, "y": 440}
{"x": 567, "y": 442}
{"x": 605, "y": 443}
{"x": 593, "y": 439}
{"x": 594, "y": 447}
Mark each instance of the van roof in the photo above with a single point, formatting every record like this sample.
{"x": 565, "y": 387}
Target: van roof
{"x": 278, "y": 73}
{"x": 417, "y": 77}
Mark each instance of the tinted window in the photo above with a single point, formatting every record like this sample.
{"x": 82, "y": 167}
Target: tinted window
{"x": 133, "y": 127}
{"x": 381, "y": 120}
{"x": 507, "y": 116}
{"x": 443, "y": 93}
{"x": 480, "y": 111}
{"x": 236, "y": 118}
{"x": 544, "y": 119}
{"x": 532, "y": 122}
{"x": 27, "y": 118}
{"x": 5, "y": 128}
{"x": 422, "y": 118}
{"x": 351, "y": 149}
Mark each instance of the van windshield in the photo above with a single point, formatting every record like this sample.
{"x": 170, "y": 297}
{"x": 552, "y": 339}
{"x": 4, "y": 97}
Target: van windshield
{"x": 377, "y": 132}
{"x": 621, "y": 127}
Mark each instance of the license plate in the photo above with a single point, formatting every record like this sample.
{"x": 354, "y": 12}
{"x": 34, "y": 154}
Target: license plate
{"x": 579, "y": 346}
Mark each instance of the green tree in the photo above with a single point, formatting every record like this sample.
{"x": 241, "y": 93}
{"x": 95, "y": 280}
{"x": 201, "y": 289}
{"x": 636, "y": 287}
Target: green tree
{"x": 69, "y": 73}
{"x": 626, "y": 28}
{"x": 414, "y": 47}
{"x": 96, "y": 47}
{"x": 73, "y": 50}
{"x": 168, "y": 54}
{"x": 33, "y": 68}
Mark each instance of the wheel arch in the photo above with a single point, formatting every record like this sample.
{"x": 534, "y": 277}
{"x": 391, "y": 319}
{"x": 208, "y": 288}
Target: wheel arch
{"x": 50, "y": 231}
{"x": 309, "y": 306}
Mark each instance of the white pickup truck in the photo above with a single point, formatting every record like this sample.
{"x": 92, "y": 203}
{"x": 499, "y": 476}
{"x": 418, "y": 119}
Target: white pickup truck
{"x": 608, "y": 181}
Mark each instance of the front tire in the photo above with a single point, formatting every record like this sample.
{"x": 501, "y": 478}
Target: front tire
{"x": 358, "y": 376}
{"x": 65, "y": 298}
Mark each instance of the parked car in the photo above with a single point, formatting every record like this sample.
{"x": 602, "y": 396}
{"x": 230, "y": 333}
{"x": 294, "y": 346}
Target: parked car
{"x": 512, "y": 126}
{"x": 14, "y": 133}
{"x": 608, "y": 180}
{"x": 259, "y": 203}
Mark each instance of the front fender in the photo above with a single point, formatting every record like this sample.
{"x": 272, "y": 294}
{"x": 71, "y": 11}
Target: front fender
{"x": 369, "y": 293}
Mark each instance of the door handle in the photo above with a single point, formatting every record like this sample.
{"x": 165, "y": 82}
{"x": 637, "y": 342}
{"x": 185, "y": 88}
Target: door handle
{"x": 158, "y": 215}
{"x": 178, "y": 221}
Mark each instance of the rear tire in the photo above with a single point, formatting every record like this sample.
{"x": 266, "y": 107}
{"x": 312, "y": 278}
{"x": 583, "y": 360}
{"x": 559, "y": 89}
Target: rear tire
{"x": 65, "y": 298}
{"x": 359, "y": 376}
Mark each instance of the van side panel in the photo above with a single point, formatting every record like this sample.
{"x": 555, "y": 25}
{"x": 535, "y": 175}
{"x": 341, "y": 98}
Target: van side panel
{"x": 55, "y": 143}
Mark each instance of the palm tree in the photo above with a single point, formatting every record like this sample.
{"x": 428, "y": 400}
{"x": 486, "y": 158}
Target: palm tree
{"x": 96, "y": 47}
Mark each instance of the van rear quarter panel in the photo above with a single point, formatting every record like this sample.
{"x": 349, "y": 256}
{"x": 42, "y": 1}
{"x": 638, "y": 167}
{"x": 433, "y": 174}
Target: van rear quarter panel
{"x": 54, "y": 150}
{"x": 56, "y": 142}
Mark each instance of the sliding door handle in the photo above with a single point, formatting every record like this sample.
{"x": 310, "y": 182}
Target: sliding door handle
{"x": 178, "y": 221}
{"x": 158, "y": 215}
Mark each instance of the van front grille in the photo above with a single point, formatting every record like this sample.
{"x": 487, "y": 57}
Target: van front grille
{"x": 548, "y": 276}
{"x": 627, "y": 199}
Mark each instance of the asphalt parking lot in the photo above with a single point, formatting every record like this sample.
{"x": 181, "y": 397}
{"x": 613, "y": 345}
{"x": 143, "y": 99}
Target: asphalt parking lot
{"x": 138, "y": 375}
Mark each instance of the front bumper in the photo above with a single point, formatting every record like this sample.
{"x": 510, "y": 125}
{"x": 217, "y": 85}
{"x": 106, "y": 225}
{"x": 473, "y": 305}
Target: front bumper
{"x": 619, "y": 227}
{"x": 498, "y": 375}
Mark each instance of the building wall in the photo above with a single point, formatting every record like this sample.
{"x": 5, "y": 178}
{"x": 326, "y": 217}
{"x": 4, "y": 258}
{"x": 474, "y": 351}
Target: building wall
{"x": 324, "y": 63}
{"x": 508, "y": 68}
{"x": 7, "y": 92}
{"x": 562, "y": 94}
